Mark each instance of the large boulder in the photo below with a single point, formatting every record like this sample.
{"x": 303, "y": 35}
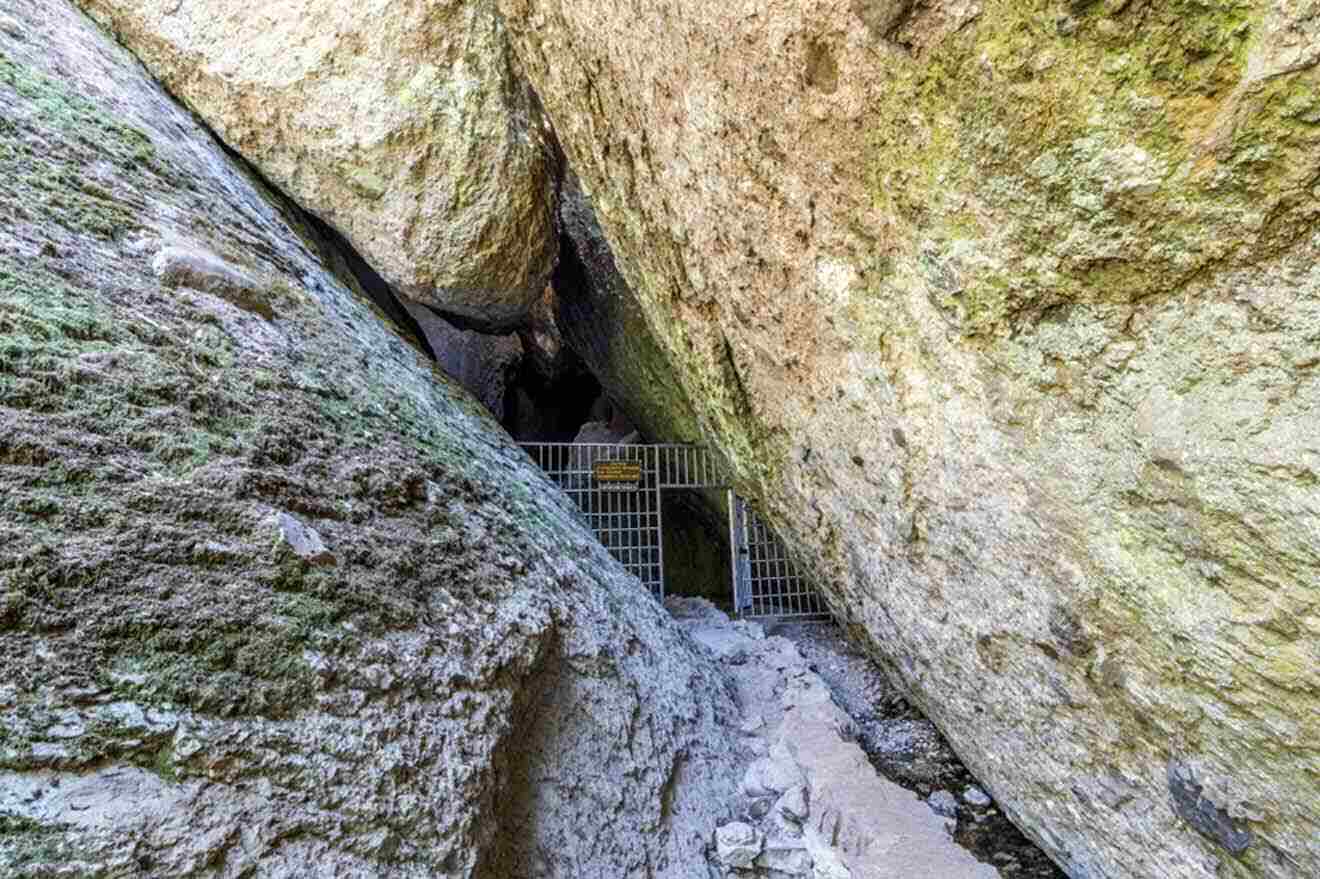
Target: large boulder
{"x": 601, "y": 320}
{"x": 1009, "y": 314}
{"x": 402, "y": 125}
{"x": 276, "y": 597}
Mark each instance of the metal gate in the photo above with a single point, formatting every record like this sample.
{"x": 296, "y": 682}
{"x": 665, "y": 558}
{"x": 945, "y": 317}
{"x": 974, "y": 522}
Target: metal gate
{"x": 767, "y": 582}
{"x": 624, "y": 513}
{"x": 618, "y": 489}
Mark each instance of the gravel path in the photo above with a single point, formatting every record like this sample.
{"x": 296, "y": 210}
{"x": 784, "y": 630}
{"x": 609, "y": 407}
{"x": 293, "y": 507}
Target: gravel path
{"x": 907, "y": 749}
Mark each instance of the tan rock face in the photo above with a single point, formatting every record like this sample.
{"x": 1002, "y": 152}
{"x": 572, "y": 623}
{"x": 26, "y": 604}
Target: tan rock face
{"x": 1010, "y": 314}
{"x": 400, "y": 124}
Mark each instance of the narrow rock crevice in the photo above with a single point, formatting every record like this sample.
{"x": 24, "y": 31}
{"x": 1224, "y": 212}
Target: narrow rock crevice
{"x": 337, "y": 248}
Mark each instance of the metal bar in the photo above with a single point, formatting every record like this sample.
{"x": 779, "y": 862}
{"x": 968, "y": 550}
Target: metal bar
{"x": 734, "y": 546}
{"x": 659, "y": 531}
{"x": 630, "y": 522}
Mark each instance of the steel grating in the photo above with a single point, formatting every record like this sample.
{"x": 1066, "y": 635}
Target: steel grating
{"x": 623, "y": 514}
{"x": 618, "y": 489}
{"x": 774, "y": 585}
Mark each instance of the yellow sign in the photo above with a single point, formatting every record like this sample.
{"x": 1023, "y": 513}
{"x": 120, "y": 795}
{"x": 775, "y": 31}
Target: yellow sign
{"x": 618, "y": 471}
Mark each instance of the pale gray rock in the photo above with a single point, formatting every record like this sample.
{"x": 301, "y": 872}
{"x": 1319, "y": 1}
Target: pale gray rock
{"x": 976, "y": 797}
{"x": 737, "y": 844}
{"x": 205, "y": 272}
{"x": 616, "y": 431}
{"x": 944, "y": 803}
{"x": 751, "y": 724}
{"x": 695, "y": 613}
{"x": 793, "y": 804}
{"x": 787, "y": 856}
{"x": 475, "y": 689}
{"x": 303, "y": 540}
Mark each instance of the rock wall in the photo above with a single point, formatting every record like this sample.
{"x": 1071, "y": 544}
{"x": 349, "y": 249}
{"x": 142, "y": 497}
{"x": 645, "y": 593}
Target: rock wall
{"x": 1009, "y": 313}
{"x": 601, "y": 321}
{"x": 485, "y": 365}
{"x": 276, "y": 597}
{"x": 399, "y": 124}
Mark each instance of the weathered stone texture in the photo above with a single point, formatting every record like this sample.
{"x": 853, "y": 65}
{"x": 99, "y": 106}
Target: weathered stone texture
{"x": 400, "y": 124}
{"x": 1010, "y": 314}
{"x": 601, "y": 321}
{"x": 484, "y": 364}
{"x": 276, "y": 597}
{"x": 812, "y": 804}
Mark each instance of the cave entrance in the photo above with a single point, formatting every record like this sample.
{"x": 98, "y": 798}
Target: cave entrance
{"x": 624, "y": 491}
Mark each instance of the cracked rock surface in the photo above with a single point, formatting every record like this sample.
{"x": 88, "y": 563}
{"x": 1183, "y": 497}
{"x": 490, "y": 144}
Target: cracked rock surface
{"x": 1007, "y": 316}
{"x": 277, "y": 598}
{"x": 402, "y": 125}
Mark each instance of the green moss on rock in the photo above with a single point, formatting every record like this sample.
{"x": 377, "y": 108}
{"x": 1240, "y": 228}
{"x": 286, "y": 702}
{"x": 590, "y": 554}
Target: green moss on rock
{"x": 1118, "y": 152}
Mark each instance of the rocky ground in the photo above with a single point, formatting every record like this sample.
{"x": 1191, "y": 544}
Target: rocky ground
{"x": 909, "y": 750}
{"x": 810, "y": 802}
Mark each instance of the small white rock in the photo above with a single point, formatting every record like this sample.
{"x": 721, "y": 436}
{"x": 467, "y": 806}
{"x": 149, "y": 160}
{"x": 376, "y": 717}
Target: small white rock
{"x": 785, "y": 856}
{"x": 737, "y": 844}
{"x": 750, "y": 629}
{"x": 793, "y": 804}
{"x": 303, "y": 540}
{"x": 943, "y": 803}
{"x": 976, "y": 797}
{"x": 751, "y": 724}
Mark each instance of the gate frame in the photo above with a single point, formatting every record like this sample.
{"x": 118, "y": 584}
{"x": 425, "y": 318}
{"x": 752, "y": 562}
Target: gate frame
{"x": 687, "y": 467}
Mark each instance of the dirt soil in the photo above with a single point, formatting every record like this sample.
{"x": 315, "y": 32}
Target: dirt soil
{"x": 907, "y": 748}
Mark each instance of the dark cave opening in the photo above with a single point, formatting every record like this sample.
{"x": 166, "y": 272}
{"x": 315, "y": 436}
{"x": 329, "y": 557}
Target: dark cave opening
{"x": 541, "y": 407}
{"x": 696, "y": 545}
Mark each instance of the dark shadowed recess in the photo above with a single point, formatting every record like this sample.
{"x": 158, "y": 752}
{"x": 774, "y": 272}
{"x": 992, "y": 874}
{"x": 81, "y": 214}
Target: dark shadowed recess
{"x": 373, "y": 285}
{"x": 540, "y": 408}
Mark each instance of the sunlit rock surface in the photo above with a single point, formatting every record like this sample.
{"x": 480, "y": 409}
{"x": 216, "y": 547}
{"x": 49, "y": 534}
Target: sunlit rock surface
{"x": 276, "y": 597}
{"x": 400, "y": 124}
{"x": 1009, "y": 314}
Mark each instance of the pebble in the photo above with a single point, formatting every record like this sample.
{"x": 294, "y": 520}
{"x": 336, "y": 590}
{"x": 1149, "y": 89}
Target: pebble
{"x": 943, "y": 803}
{"x": 784, "y": 857}
{"x": 974, "y": 796}
{"x": 752, "y": 724}
{"x": 737, "y": 844}
{"x": 793, "y": 804}
{"x": 303, "y": 540}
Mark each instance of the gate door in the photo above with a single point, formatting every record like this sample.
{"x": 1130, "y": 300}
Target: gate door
{"x": 767, "y": 582}
{"x": 617, "y": 488}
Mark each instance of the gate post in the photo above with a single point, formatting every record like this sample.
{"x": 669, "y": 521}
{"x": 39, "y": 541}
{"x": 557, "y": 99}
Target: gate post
{"x": 659, "y": 522}
{"x": 738, "y": 554}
